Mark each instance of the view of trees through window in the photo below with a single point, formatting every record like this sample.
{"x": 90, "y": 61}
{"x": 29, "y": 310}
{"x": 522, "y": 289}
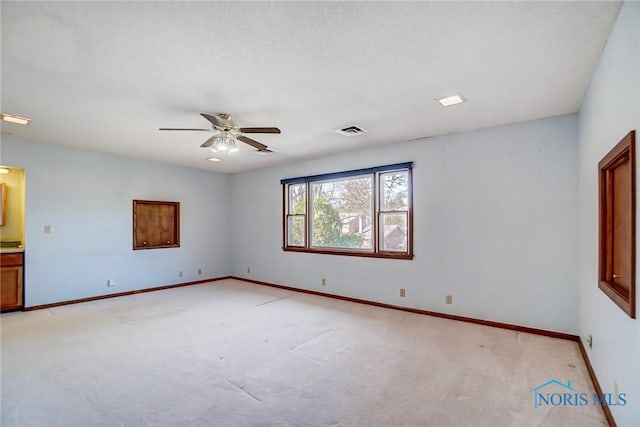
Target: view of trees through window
{"x": 366, "y": 212}
{"x": 341, "y": 213}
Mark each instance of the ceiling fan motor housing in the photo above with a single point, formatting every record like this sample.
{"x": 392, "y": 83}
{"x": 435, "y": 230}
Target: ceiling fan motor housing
{"x": 225, "y": 122}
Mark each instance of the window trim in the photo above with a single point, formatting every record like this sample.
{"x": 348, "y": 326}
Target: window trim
{"x": 376, "y": 252}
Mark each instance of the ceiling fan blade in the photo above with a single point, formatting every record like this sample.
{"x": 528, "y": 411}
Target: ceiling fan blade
{"x": 252, "y": 142}
{"x": 259, "y": 130}
{"x": 208, "y": 130}
{"x": 208, "y": 142}
{"x": 213, "y": 119}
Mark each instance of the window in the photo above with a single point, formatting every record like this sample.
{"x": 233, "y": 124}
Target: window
{"x": 365, "y": 212}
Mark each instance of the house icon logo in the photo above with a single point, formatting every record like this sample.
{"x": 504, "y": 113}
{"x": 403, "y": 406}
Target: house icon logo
{"x": 557, "y": 393}
{"x": 566, "y": 398}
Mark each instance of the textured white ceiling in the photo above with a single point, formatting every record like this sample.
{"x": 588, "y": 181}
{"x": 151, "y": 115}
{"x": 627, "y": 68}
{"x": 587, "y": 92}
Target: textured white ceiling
{"x": 105, "y": 75}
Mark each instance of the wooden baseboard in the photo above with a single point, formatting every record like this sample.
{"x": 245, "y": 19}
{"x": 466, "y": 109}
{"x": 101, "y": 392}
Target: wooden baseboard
{"x": 596, "y": 384}
{"x": 509, "y": 326}
{"x": 121, "y": 294}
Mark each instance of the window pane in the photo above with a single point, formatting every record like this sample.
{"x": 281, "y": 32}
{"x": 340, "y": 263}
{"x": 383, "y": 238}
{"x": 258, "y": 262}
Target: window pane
{"x": 297, "y": 199}
{"x": 342, "y": 212}
{"x": 393, "y": 232}
{"x": 295, "y": 230}
{"x": 394, "y": 191}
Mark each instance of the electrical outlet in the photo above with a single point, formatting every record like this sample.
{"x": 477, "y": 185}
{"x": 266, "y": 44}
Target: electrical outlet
{"x": 111, "y": 283}
{"x": 590, "y": 341}
{"x": 248, "y": 270}
{"x": 47, "y": 229}
{"x": 402, "y": 292}
{"x": 199, "y": 272}
{"x": 180, "y": 273}
{"x": 324, "y": 282}
{"x": 448, "y": 299}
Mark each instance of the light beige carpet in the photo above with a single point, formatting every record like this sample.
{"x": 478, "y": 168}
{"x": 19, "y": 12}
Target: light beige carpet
{"x": 234, "y": 354}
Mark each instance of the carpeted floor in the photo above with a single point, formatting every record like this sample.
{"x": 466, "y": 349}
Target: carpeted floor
{"x": 230, "y": 353}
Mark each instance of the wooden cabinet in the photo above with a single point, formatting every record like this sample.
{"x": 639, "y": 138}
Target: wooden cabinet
{"x": 156, "y": 224}
{"x": 11, "y": 279}
{"x": 617, "y": 225}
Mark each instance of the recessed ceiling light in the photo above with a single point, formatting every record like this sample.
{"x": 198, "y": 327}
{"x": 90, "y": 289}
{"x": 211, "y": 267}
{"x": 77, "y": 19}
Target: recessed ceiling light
{"x": 14, "y": 119}
{"x": 214, "y": 159}
{"x": 451, "y": 100}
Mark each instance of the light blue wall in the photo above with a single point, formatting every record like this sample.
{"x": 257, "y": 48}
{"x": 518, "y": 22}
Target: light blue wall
{"x": 87, "y": 199}
{"x": 495, "y": 226}
{"x": 610, "y": 110}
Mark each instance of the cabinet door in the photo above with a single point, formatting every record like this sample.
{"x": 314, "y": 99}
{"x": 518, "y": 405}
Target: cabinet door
{"x": 617, "y": 224}
{"x": 11, "y": 287}
{"x": 621, "y": 271}
{"x": 156, "y": 224}
{"x": 164, "y": 225}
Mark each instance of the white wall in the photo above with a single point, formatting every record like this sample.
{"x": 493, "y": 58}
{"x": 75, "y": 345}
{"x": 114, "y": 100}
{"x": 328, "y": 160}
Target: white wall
{"x": 610, "y": 110}
{"x": 87, "y": 199}
{"x": 494, "y": 224}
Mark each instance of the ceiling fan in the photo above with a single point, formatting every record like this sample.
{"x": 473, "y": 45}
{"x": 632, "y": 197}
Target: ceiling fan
{"x": 227, "y": 132}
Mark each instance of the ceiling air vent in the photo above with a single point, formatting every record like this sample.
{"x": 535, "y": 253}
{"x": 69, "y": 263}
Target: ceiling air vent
{"x": 351, "y": 130}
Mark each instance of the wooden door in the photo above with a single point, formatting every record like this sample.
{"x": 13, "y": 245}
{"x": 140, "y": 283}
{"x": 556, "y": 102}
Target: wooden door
{"x": 617, "y": 224}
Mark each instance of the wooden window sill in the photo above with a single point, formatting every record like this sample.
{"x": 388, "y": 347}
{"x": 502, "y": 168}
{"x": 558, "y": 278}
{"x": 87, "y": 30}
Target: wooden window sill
{"x": 387, "y": 255}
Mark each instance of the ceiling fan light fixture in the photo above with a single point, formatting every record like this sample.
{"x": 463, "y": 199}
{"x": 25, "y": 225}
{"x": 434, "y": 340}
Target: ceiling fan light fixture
{"x": 225, "y": 141}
